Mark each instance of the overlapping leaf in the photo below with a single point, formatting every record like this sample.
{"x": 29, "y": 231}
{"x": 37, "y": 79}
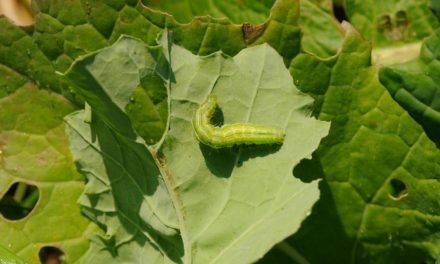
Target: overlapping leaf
{"x": 59, "y": 36}
{"x": 34, "y": 150}
{"x": 395, "y": 27}
{"x": 126, "y": 192}
{"x": 380, "y": 198}
{"x": 321, "y": 34}
{"x": 54, "y": 43}
{"x": 415, "y": 86}
{"x": 390, "y": 23}
{"x": 223, "y": 201}
{"x": 66, "y": 30}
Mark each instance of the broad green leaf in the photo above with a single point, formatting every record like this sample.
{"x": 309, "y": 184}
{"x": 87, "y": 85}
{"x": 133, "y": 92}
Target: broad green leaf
{"x": 126, "y": 192}
{"x": 326, "y": 5}
{"x": 20, "y": 54}
{"x": 276, "y": 22}
{"x": 53, "y": 43}
{"x": 125, "y": 195}
{"x": 66, "y": 30}
{"x": 389, "y": 23}
{"x": 415, "y": 86}
{"x": 380, "y": 193}
{"x": 35, "y": 53}
{"x": 395, "y": 27}
{"x": 229, "y": 205}
{"x": 34, "y": 150}
{"x": 57, "y": 31}
{"x": 322, "y": 34}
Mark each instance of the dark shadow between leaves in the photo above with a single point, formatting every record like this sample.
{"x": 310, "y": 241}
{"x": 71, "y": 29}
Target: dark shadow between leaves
{"x": 339, "y": 12}
{"x": 324, "y": 223}
{"x": 107, "y": 244}
{"x": 308, "y": 170}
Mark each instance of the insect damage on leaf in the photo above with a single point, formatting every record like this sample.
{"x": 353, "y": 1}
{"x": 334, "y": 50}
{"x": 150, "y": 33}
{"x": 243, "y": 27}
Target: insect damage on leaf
{"x": 230, "y": 134}
{"x": 252, "y": 32}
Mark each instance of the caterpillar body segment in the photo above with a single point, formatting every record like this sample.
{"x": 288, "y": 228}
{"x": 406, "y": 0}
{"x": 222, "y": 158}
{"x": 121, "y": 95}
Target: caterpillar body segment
{"x": 229, "y": 135}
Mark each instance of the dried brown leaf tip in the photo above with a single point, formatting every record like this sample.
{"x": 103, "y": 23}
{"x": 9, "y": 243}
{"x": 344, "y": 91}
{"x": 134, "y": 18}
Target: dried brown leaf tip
{"x": 252, "y": 32}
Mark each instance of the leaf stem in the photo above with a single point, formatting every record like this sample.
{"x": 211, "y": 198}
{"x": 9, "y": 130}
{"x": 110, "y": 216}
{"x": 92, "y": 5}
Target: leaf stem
{"x": 20, "y": 192}
{"x": 31, "y": 199}
{"x": 292, "y": 253}
{"x": 168, "y": 180}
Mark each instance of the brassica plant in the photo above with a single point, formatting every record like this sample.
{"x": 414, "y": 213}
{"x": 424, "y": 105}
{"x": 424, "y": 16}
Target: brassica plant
{"x": 100, "y": 161}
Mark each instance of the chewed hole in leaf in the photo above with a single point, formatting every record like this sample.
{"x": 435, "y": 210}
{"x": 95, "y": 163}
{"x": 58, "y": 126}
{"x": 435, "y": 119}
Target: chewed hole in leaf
{"x": 401, "y": 19}
{"x": 384, "y": 22}
{"x": 50, "y": 255}
{"x": 339, "y": 12}
{"x": 19, "y": 201}
{"x": 397, "y": 189}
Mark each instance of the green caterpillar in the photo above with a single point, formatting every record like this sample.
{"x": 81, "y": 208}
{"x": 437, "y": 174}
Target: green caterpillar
{"x": 230, "y": 134}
